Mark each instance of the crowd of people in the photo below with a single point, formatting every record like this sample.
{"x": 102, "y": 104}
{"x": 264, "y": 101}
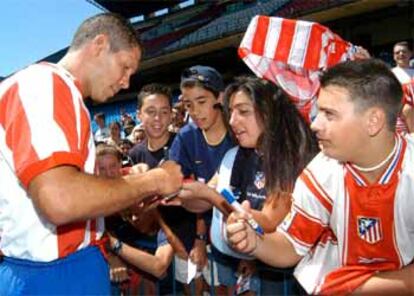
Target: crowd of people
{"x": 109, "y": 213}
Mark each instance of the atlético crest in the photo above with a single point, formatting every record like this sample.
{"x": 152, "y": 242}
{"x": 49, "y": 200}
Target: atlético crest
{"x": 369, "y": 229}
{"x": 259, "y": 180}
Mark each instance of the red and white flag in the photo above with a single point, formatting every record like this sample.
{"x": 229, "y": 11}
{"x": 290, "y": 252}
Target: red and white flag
{"x": 291, "y": 53}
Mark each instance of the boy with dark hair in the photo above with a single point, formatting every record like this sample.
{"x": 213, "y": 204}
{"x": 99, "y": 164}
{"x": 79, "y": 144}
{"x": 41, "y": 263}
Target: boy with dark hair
{"x": 350, "y": 228}
{"x": 199, "y": 148}
{"x": 154, "y": 113}
{"x": 200, "y": 145}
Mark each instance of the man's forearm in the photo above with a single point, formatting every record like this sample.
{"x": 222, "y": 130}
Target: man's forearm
{"x": 196, "y": 205}
{"x": 65, "y": 195}
{"x": 276, "y": 250}
{"x": 398, "y": 282}
{"x": 154, "y": 264}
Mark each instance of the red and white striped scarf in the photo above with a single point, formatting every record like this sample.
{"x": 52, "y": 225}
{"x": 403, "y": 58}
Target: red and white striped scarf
{"x": 291, "y": 53}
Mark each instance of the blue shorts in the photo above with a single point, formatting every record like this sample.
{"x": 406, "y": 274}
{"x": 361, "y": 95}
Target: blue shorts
{"x": 85, "y": 272}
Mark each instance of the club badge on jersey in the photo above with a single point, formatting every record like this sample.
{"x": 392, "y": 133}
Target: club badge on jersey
{"x": 369, "y": 229}
{"x": 259, "y": 180}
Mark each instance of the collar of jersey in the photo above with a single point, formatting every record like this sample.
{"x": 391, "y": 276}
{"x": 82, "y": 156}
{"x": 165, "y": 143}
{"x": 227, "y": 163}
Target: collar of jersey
{"x": 391, "y": 170}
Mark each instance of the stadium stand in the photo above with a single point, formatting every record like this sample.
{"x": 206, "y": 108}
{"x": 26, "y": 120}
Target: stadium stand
{"x": 174, "y": 22}
{"x": 231, "y": 22}
{"x": 174, "y": 28}
{"x": 208, "y": 32}
{"x": 113, "y": 111}
{"x": 297, "y": 8}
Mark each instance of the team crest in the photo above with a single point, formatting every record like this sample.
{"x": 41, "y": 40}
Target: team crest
{"x": 369, "y": 229}
{"x": 259, "y": 180}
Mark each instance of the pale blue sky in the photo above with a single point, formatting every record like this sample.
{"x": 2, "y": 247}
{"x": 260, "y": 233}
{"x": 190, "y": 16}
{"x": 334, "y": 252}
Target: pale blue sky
{"x": 33, "y": 29}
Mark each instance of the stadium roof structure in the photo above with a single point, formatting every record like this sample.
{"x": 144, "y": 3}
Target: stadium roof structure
{"x": 132, "y": 8}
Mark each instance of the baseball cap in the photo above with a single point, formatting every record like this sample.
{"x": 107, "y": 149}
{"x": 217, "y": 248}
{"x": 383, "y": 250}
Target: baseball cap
{"x": 207, "y": 76}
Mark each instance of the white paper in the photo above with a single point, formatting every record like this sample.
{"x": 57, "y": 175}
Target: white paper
{"x": 191, "y": 270}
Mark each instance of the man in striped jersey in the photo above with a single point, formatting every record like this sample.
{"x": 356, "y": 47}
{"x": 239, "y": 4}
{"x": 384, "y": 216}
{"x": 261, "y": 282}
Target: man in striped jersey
{"x": 351, "y": 227}
{"x": 50, "y": 203}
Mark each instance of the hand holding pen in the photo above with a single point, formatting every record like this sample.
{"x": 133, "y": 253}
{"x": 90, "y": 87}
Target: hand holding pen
{"x": 230, "y": 198}
{"x": 240, "y": 234}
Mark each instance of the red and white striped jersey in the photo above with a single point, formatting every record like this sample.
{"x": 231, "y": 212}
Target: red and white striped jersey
{"x": 291, "y": 53}
{"x": 347, "y": 229}
{"x": 43, "y": 124}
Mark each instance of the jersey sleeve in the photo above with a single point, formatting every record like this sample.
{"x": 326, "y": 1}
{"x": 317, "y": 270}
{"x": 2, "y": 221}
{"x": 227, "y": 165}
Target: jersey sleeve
{"x": 161, "y": 238}
{"x": 44, "y": 128}
{"x": 309, "y": 215}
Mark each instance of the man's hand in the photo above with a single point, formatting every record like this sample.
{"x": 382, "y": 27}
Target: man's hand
{"x": 240, "y": 235}
{"x": 198, "y": 254}
{"x": 361, "y": 53}
{"x": 193, "y": 196}
{"x": 118, "y": 270}
{"x": 169, "y": 178}
{"x": 194, "y": 190}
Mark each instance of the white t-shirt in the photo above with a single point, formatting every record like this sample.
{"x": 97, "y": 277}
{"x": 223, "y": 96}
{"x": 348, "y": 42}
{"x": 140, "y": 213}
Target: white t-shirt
{"x": 404, "y": 75}
{"x": 102, "y": 134}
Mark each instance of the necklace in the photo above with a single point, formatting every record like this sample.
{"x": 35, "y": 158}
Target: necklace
{"x": 381, "y": 164}
{"x": 210, "y": 143}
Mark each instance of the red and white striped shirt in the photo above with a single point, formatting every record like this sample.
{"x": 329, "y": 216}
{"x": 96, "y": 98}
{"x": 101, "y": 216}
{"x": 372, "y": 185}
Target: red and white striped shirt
{"x": 347, "y": 229}
{"x": 43, "y": 124}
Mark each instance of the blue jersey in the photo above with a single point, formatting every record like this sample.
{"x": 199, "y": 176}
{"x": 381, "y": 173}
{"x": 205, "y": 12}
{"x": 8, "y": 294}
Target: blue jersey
{"x": 247, "y": 178}
{"x": 196, "y": 157}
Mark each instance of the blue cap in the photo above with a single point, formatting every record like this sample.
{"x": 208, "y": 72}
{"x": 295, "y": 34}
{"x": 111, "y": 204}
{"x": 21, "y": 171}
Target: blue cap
{"x": 205, "y": 75}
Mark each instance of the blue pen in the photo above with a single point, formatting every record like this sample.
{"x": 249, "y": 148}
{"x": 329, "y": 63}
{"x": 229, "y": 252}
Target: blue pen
{"x": 228, "y": 195}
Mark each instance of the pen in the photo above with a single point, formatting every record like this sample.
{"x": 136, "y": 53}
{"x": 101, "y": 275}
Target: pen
{"x": 228, "y": 195}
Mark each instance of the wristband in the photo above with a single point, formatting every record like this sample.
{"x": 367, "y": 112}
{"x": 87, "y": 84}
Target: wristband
{"x": 117, "y": 247}
{"x": 201, "y": 237}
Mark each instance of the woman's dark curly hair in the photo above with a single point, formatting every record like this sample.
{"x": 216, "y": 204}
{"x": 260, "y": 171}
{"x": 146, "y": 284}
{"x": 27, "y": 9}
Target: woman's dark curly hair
{"x": 287, "y": 143}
